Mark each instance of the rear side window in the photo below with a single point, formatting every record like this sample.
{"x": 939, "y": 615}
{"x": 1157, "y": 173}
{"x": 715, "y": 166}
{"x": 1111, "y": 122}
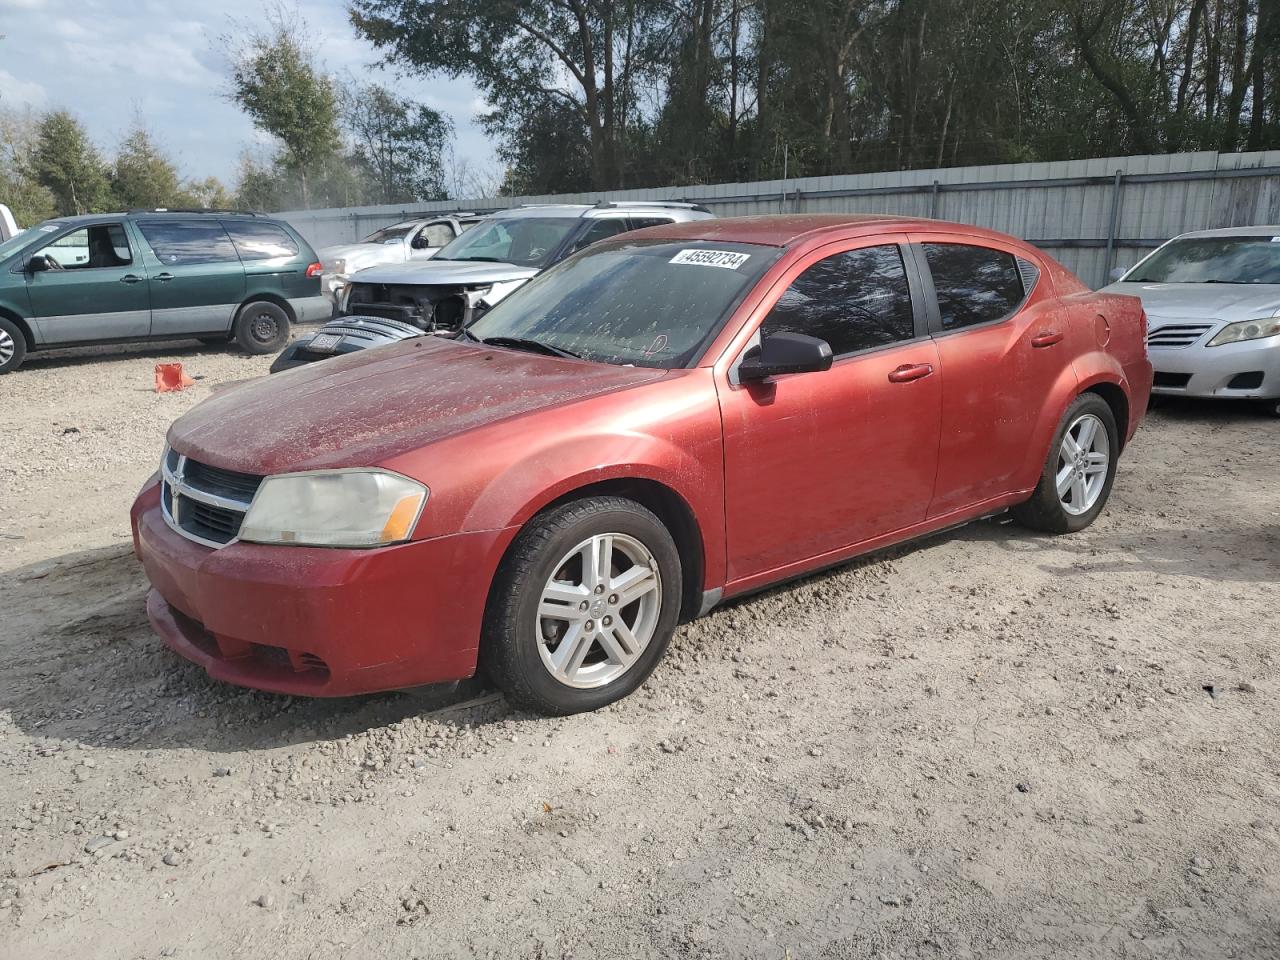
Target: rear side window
{"x": 600, "y": 230}
{"x": 260, "y": 241}
{"x": 974, "y": 284}
{"x": 639, "y": 223}
{"x": 855, "y": 301}
{"x": 178, "y": 242}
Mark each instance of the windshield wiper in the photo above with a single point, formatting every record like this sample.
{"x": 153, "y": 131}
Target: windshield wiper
{"x": 524, "y": 343}
{"x": 471, "y": 259}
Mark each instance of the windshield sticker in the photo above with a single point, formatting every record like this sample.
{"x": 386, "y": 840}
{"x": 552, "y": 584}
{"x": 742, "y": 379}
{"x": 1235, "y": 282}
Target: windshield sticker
{"x": 49, "y": 228}
{"x": 712, "y": 258}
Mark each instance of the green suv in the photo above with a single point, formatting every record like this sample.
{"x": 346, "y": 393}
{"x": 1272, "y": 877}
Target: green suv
{"x": 159, "y": 275}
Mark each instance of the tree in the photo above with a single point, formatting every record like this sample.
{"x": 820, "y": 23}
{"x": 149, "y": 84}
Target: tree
{"x": 30, "y": 201}
{"x": 143, "y": 177}
{"x": 68, "y": 165}
{"x": 275, "y": 79}
{"x": 398, "y": 144}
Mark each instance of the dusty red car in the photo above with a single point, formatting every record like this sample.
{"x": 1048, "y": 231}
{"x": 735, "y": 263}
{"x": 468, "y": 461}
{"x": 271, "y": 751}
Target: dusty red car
{"x": 659, "y": 423}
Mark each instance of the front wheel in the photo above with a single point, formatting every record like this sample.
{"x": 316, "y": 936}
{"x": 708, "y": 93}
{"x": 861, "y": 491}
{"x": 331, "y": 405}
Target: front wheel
{"x": 262, "y": 327}
{"x": 582, "y": 607}
{"x": 1079, "y": 472}
{"x": 13, "y": 346}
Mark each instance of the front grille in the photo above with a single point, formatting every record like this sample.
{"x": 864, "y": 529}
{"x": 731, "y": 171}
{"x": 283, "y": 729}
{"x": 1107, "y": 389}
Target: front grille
{"x": 1177, "y": 334}
{"x": 203, "y": 502}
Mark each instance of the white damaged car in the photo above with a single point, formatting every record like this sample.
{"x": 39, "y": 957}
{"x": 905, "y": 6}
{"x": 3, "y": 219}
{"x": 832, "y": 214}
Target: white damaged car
{"x": 399, "y": 243}
{"x": 1213, "y": 313}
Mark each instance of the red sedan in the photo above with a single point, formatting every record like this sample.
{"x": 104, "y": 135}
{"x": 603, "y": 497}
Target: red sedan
{"x": 664, "y": 421}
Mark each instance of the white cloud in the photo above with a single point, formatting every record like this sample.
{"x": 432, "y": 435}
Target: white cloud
{"x": 14, "y": 91}
{"x": 21, "y": 4}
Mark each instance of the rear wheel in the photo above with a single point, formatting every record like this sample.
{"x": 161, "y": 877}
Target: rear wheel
{"x": 262, "y": 327}
{"x": 13, "y": 346}
{"x": 1079, "y": 471}
{"x": 583, "y": 606}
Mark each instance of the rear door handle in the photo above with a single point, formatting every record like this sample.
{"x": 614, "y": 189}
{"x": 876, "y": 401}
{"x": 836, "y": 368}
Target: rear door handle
{"x": 1046, "y": 339}
{"x": 164, "y": 277}
{"x": 131, "y": 278}
{"x": 910, "y": 371}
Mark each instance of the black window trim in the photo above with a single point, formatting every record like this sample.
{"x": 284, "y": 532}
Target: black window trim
{"x": 931, "y": 294}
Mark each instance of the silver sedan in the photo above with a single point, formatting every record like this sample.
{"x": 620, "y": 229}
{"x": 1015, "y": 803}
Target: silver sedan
{"x": 1213, "y": 313}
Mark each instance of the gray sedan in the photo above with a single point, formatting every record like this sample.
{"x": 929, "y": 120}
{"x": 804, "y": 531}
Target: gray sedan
{"x": 1213, "y": 313}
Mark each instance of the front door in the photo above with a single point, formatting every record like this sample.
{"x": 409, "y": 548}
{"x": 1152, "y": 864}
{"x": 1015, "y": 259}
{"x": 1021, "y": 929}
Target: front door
{"x": 197, "y": 279}
{"x": 817, "y": 462}
{"x": 95, "y": 288}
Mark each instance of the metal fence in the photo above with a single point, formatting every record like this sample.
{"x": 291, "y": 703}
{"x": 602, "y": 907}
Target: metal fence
{"x": 1092, "y": 215}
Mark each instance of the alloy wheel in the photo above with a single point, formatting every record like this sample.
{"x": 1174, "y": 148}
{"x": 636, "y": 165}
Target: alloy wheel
{"x": 599, "y": 610}
{"x": 1083, "y": 460}
{"x": 7, "y": 347}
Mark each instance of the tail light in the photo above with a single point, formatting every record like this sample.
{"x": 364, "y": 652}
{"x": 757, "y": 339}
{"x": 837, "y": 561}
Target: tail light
{"x": 316, "y": 269}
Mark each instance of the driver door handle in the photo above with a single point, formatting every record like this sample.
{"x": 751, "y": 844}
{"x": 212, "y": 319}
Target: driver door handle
{"x": 164, "y": 277}
{"x": 1047, "y": 339}
{"x": 910, "y": 371}
{"x": 131, "y": 278}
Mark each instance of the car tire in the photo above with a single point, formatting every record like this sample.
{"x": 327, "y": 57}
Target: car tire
{"x": 262, "y": 327}
{"x": 1076, "y": 482}
{"x": 605, "y": 634}
{"x": 13, "y": 346}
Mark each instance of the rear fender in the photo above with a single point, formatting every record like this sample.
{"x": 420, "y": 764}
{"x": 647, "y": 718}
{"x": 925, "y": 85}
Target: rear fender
{"x": 1060, "y": 394}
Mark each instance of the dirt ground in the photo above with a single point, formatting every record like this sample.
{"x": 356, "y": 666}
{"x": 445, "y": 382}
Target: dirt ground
{"x": 992, "y": 744}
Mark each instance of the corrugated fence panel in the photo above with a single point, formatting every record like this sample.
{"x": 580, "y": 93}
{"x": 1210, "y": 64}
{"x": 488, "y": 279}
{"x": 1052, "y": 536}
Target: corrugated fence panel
{"x": 1075, "y": 209}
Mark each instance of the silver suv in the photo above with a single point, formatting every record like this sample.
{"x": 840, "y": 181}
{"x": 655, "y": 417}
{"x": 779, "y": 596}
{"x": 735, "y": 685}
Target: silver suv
{"x": 496, "y": 256}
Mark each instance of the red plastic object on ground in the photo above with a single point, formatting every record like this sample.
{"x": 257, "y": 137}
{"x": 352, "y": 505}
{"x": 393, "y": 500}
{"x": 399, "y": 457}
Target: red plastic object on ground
{"x": 169, "y": 377}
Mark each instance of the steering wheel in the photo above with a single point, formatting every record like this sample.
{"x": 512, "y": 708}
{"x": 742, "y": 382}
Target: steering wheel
{"x": 53, "y": 264}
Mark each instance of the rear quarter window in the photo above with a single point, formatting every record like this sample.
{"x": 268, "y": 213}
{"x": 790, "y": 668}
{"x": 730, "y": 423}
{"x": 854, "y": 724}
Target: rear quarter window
{"x": 260, "y": 241}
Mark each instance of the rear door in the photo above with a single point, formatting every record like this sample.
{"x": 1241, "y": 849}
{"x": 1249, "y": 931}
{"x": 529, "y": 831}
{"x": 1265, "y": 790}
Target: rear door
{"x": 197, "y": 281}
{"x": 96, "y": 291}
{"x": 1001, "y": 345}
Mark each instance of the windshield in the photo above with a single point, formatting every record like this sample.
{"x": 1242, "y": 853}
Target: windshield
{"x": 24, "y": 237}
{"x": 397, "y": 231}
{"x": 1212, "y": 260}
{"x": 647, "y": 304}
{"x": 524, "y": 241}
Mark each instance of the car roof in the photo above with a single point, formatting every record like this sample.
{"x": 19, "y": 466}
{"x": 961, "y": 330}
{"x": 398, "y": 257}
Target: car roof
{"x": 580, "y": 210}
{"x": 90, "y": 218}
{"x": 784, "y": 230}
{"x": 1262, "y": 231}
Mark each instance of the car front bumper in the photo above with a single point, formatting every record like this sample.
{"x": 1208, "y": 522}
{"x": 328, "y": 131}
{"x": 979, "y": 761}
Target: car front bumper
{"x": 315, "y": 621}
{"x": 1230, "y": 370}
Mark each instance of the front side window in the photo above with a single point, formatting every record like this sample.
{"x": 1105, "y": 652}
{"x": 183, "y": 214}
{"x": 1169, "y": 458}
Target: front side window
{"x": 179, "y": 242}
{"x": 260, "y": 241}
{"x": 974, "y": 284}
{"x": 392, "y": 234}
{"x": 1212, "y": 260}
{"x": 643, "y": 304}
{"x": 524, "y": 241}
{"x": 102, "y": 245}
{"x": 433, "y": 235}
{"x": 855, "y": 300}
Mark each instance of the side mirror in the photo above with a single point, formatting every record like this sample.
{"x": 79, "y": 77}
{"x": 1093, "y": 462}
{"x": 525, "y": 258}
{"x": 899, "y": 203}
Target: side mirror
{"x": 37, "y": 264}
{"x": 785, "y": 353}
{"x": 1117, "y": 273}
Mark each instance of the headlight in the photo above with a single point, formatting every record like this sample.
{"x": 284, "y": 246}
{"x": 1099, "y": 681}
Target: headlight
{"x": 343, "y": 508}
{"x": 1247, "y": 330}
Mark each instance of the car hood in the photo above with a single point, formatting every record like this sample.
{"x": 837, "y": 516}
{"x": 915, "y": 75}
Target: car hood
{"x": 359, "y": 255}
{"x": 366, "y": 407}
{"x": 1203, "y": 301}
{"x": 446, "y": 273}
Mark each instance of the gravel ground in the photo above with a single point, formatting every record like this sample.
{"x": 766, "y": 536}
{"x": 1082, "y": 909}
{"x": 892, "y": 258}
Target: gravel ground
{"x": 991, "y": 744}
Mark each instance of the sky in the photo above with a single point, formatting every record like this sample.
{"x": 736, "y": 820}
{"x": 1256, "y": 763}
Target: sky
{"x": 108, "y": 62}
